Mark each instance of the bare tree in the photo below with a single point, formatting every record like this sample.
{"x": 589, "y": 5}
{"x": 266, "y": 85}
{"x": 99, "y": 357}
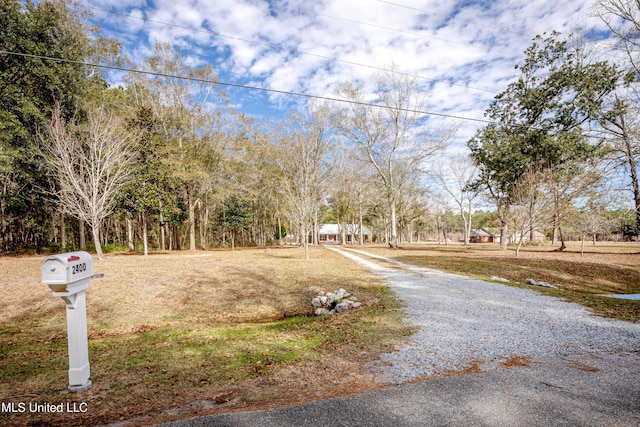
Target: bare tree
{"x": 341, "y": 199}
{"x": 623, "y": 19}
{"x": 389, "y": 134}
{"x": 531, "y": 207}
{"x": 455, "y": 177}
{"x": 592, "y": 221}
{"x": 90, "y": 164}
{"x": 623, "y": 143}
{"x": 298, "y": 151}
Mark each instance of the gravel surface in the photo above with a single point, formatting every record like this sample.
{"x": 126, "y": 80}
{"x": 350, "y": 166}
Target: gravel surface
{"x": 463, "y": 321}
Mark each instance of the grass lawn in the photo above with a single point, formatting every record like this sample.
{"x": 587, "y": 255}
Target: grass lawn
{"x": 180, "y": 334}
{"x": 177, "y": 335}
{"x": 606, "y": 268}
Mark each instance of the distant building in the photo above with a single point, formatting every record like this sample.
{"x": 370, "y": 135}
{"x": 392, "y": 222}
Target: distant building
{"x": 537, "y": 237}
{"x": 480, "y": 236}
{"x": 330, "y": 233}
{"x": 488, "y": 236}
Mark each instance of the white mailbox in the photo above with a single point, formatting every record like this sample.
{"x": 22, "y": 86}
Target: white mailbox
{"x": 67, "y": 272}
{"x": 68, "y": 276}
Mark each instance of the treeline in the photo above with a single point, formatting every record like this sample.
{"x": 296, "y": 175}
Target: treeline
{"x": 165, "y": 163}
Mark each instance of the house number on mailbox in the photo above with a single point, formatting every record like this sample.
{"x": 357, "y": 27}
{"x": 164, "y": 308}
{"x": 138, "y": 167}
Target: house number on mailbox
{"x": 78, "y": 268}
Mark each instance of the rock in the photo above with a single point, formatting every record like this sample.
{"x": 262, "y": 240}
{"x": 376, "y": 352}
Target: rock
{"x": 543, "y": 284}
{"x": 343, "y": 306}
{"x": 339, "y": 301}
{"x": 547, "y": 285}
{"x": 499, "y": 279}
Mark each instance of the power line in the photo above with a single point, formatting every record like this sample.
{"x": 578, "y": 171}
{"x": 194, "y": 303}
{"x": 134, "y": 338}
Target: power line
{"x": 242, "y": 86}
{"x": 397, "y": 30}
{"x": 493, "y": 27}
{"x": 315, "y": 55}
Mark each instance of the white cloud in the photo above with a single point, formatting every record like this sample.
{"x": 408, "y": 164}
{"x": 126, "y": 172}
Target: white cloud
{"x": 466, "y": 51}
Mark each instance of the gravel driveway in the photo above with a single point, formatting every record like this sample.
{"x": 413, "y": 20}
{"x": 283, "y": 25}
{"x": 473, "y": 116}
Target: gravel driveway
{"x": 581, "y": 370}
{"x": 463, "y": 321}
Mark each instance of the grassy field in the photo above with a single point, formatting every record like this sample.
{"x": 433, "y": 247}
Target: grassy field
{"x": 179, "y": 334}
{"x": 175, "y": 335}
{"x": 606, "y": 268}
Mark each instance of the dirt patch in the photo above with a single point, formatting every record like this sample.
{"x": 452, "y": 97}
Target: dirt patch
{"x": 517, "y": 362}
{"x": 583, "y": 366}
{"x": 475, "y": 367}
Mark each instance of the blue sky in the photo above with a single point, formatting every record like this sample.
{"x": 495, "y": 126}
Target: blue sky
{"x": 463, "y": 52}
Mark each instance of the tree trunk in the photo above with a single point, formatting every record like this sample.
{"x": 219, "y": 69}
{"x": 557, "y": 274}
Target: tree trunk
{"x": 410, "y": 231}
{"x": 204, "y": 224}
{"x": 192, "y": 220}
{"x": 470, "y": 217}
{"x": 305, "y": 241}
{"x": 563, "y": 246}
{"x": 520, "y": 243}
{"x": 315, "y": 228}
{"x": 145, "y": 239}
{"x": 503, "y": 235}
{"x": 393, "y": 243}
{"x": 360, "y": 224}
{"x": 95, "y": 230}
{"x": 130, "y": 244}
{"x": 465, "y": 229}
{"x": 82, "y": 235}
{"x": 162, "y": 232}
{"x": 63, "y": 232}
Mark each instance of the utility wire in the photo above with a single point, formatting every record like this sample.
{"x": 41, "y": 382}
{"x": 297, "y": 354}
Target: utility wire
{"x": 242, "y": 86}
{"x": 493, "y": 27}
{"x": 315, "y": 55}
{"x": 397, "y": 30}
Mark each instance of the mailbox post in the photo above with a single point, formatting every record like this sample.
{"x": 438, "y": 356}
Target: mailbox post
{"x": 68, "y": 276}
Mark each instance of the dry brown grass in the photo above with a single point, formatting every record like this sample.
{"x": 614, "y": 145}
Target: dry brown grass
{"x": 607, "y": 268}
{"x": 179, "y": 334}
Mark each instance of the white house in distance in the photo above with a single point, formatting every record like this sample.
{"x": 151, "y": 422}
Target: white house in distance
{"x": 330, "y": 233}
